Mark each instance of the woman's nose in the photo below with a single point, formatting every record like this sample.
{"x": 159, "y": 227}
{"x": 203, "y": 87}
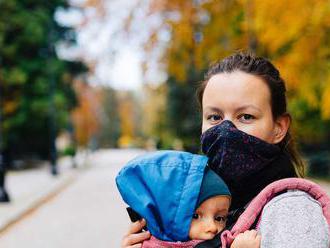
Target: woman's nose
{"x": 232, "y": 120}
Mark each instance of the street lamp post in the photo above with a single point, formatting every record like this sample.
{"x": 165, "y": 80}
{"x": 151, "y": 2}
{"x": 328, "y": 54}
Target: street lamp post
{"x": 52, "y": 110}
{"x": 4, "y": 197}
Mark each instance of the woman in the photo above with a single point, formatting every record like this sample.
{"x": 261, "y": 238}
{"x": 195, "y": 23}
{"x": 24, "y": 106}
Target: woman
{"x": 245, "y": 134}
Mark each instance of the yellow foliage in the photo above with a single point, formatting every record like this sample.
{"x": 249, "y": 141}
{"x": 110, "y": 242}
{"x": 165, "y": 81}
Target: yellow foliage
{"x": 294, "y": 35}
{"x": 125, "y": 141}
{"x": 9, "y": 107}
{"x": 154, "y": 109}
{"x": 325, "y": 103}
{"x": 126, "y": 108}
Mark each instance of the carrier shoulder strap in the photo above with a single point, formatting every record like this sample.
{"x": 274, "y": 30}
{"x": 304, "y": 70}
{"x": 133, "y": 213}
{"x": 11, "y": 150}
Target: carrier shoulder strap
{"x": 252, "y": 214}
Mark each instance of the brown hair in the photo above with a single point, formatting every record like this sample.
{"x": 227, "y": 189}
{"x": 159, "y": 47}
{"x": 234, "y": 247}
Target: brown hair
{"x": 264, "y": 69}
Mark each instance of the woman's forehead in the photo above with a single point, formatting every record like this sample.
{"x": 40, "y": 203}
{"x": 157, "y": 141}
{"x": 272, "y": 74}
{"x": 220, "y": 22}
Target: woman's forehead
{"x": 236, "y": 90}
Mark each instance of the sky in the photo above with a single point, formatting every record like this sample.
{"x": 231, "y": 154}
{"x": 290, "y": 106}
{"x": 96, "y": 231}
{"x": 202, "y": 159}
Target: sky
{"x": 101, "y": 41}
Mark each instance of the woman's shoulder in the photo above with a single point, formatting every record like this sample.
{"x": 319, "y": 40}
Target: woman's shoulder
{"x": 294, "y": 207}
{"x": 294, "y": 219}
{"x": 298, "y": 198}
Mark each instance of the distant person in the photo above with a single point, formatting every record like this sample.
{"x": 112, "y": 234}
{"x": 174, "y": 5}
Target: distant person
{"x": 150, "y": 145}
{"x": 177, "y": 145}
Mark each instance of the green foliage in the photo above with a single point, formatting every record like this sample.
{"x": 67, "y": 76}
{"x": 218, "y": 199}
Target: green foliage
{"x": 308, "y": 125}
{"x": 69, "y": 151}
{"x": 183, "y": 118}
{"x": 34, "y": 83}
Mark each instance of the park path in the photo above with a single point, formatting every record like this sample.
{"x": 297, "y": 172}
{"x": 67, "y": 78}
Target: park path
{"x": 88, "y": 213}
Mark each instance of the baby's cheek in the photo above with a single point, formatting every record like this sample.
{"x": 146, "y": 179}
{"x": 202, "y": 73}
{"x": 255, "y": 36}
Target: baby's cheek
{"x": 221, "y": 227}
{"x": 194, "y": 230}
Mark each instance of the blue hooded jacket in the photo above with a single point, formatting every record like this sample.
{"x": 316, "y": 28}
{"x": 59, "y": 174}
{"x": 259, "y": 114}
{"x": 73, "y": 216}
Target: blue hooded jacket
{"x": 163, "y": 188}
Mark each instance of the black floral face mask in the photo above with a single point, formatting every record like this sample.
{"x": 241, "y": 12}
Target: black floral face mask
{"x": 246, "y": 163}
{"x": 234, "y": 154}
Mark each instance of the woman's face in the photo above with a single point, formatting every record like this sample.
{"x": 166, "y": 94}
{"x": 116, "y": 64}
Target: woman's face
{"x": 243, "y": 99}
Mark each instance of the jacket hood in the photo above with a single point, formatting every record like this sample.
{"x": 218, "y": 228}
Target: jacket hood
{"x": 163, "y": 188}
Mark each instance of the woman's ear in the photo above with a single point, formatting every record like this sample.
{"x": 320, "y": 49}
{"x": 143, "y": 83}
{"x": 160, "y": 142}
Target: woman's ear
{"x": 282, "y": 124}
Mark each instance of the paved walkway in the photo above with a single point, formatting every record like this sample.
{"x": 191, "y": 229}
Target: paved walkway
{"x": 88, "y": 213}
{"x": 32, "y": 187}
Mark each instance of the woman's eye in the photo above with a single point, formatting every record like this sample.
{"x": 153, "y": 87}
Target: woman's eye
{"x": 221, "y": 218}
{"x": 195, "y": 216}
{"x": 246, "y": 117}
{"x": 214, "y": 117}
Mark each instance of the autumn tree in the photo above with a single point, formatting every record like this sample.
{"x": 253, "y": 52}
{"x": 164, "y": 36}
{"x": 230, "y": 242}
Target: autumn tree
{"x": 109, "y": 130}
{"x": 294, "y": 35}
{"x": 129, "y": 117}
{"x": 154, "y": 117}
{"x": 195, "y": 40}
{"x": 86, "y": 116}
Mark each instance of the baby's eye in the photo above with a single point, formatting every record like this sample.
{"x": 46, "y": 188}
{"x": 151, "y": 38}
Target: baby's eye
{"x": 221, "y": 218}
{"x": 246, "y": 117}
{"x": 195, "y": 216}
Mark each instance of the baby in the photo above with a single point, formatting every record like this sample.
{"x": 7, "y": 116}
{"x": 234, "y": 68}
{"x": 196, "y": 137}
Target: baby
{"x": 212, "y": 207}
{"x": 180, "y": 198}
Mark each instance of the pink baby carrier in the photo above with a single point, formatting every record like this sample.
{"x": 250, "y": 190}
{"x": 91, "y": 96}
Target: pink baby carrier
{"x": 156, "y": 243}
{"x": 253, "y": 212}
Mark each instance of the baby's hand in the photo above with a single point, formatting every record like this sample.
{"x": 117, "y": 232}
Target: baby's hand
{"x": 248, "y": 239}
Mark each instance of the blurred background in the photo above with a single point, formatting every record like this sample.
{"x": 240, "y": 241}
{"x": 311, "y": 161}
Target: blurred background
{"x": 85, "y": 85}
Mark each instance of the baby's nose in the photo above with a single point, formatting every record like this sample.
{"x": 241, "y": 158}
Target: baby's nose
{"x": 210, "y": 226}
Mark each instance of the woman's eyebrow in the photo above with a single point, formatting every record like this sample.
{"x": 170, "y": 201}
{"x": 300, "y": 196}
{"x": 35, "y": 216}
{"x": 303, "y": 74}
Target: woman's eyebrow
{"x": 213, "y": 109}
{"x": 248, "y": 106}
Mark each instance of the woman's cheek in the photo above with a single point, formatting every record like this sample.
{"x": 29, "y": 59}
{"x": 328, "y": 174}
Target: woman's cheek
{"x": 205, "y": 126}
{"x": 259, "y": 132}
{"x": 256, "y": 129}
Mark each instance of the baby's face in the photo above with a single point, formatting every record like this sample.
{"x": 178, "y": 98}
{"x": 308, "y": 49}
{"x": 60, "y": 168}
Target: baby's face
{"x": 209, "y": 218}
